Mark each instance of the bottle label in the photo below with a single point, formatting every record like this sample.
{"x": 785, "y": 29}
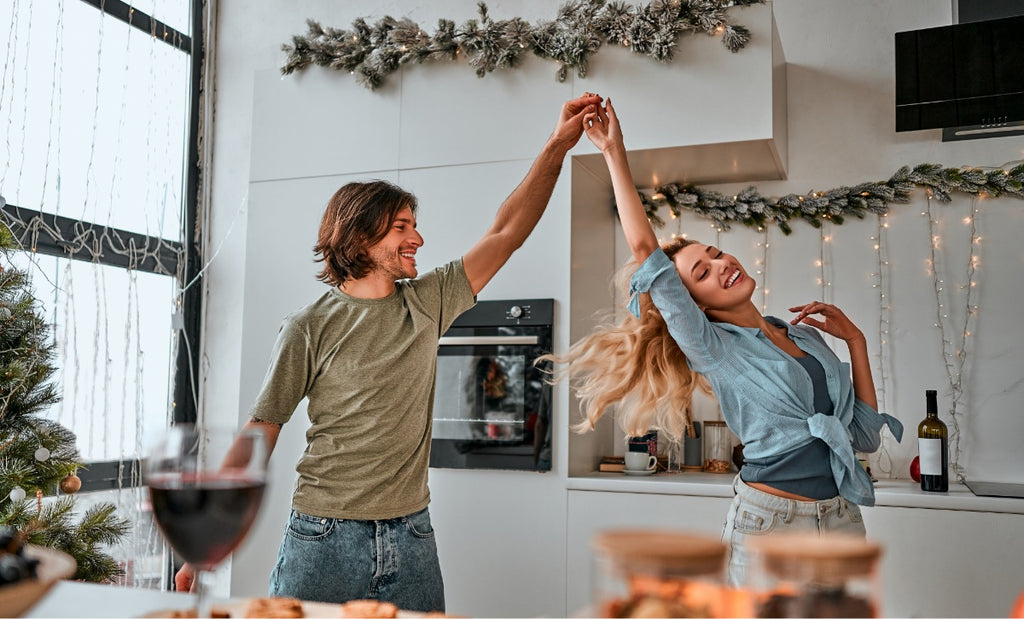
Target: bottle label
{"x": 930, "y": 450}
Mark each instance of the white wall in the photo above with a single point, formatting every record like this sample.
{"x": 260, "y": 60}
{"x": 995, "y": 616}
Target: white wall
{"x": 503, "y": 536}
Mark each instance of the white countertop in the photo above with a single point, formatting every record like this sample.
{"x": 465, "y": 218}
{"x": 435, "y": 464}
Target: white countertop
{"x": 70, "y": 598}
{"x": 888, "y": 493}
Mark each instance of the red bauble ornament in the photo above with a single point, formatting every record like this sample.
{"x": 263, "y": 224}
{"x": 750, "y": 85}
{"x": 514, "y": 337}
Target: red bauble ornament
{"x": 915, "y": 469}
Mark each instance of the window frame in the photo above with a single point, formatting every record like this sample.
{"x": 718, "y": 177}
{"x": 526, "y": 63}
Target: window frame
{"x": 106, "y": 475}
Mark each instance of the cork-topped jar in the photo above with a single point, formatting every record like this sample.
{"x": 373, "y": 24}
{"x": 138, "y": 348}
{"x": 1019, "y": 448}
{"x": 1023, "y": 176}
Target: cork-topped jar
{"x": 811, "y": 575}
{"x": 717, "y": 447}
{"x": 659, "y": 573}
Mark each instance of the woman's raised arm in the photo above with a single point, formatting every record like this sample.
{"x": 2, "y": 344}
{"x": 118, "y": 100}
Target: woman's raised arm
{"x": 602, "y": 127}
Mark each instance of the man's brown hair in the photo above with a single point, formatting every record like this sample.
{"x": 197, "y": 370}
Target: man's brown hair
{"x": 358, "y": 216}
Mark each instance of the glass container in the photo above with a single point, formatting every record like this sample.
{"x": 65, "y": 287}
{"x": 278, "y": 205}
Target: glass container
{"x": 717, "y": 447}
{"x": 659, "y": 573}
{"x": 807, "y": 575}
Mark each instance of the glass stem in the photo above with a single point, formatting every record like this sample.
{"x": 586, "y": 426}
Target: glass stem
{"x": 204, "y": 588}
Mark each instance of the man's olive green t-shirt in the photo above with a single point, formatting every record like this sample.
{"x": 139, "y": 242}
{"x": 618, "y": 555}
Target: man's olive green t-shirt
{"x": 367, "y": 368}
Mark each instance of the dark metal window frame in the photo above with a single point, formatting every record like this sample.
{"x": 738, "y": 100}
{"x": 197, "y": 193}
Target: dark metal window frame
{"x": 107, "y": 475}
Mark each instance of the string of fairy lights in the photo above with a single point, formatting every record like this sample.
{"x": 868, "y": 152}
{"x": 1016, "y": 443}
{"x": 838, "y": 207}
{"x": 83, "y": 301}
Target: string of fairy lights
{"x": 954, "y": 342}
{"x": 880, "y": 241}
{"x": 106, "y": 410}
{"x": 761, "y": 264}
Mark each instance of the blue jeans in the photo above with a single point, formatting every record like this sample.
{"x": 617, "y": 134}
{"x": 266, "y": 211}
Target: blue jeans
{"x": 332, "y": 560}
{"x": 754, "y": 513}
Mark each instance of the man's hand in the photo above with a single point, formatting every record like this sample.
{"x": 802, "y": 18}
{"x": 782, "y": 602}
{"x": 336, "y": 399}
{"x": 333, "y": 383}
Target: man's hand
{"x": 185, "y": 579}
{"x": 570, "y": 122}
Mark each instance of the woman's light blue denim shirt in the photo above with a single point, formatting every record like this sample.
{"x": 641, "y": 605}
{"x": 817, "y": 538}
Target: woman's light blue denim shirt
{"x": 766, "y": 396}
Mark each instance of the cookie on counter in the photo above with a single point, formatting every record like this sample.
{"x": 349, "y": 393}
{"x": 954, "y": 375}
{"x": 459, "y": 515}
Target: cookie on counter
{"x": 369, "y": 608}
{"x": 274, "y": 607}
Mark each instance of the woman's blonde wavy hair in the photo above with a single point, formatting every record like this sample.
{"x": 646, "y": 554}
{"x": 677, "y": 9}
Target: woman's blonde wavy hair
{"x": 634, "y": 365}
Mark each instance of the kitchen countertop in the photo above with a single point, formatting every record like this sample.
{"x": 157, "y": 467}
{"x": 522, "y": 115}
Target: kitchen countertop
{"x": 888, "y": 492}
{"x": 84, "y": 599}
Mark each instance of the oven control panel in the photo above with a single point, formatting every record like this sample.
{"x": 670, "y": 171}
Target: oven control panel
{"x": 516, "y": 312}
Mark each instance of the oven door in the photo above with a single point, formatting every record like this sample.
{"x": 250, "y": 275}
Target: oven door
{"x": 492, "y": 406}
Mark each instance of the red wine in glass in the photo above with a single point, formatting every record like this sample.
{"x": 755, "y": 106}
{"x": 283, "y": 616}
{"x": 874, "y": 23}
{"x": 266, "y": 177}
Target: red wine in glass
{"x": 205, "y": 489}
{"x": 204, "y": 517}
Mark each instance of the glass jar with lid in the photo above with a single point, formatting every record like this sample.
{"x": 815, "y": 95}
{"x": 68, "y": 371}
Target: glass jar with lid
{"x": 811, "y": 575}
{"x": 659, "y": 573}
{"x": 717, "y": 447}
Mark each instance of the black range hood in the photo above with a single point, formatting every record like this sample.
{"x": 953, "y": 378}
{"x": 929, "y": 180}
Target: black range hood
{"x": 967, "y": 79}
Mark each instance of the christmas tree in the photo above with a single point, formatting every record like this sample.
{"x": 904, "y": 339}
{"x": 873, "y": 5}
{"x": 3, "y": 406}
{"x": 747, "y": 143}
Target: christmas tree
{"x": 38, "y": 457}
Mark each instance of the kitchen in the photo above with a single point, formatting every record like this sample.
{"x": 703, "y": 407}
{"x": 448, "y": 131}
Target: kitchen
{"x": 811, "y": 102}
{"x": 838, "y": 87}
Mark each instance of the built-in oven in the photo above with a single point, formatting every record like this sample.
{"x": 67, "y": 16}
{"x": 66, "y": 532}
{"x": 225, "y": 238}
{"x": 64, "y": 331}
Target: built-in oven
{"x": 492, "y": 404}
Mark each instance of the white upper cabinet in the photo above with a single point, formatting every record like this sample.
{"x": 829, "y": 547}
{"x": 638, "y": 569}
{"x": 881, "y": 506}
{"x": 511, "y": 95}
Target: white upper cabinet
{"x": 708, "y": 116}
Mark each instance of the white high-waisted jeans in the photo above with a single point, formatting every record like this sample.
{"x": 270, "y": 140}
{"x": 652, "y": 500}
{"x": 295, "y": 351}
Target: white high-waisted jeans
{"x": 754, "y": 513}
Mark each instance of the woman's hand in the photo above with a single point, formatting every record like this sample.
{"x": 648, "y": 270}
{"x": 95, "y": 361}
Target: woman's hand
{"x": 602, "y": 127}
{"x": 835, "y": 322}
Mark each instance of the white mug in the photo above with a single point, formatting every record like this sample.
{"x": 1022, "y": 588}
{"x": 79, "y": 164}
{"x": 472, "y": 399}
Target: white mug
{"x": 640, "y": 461}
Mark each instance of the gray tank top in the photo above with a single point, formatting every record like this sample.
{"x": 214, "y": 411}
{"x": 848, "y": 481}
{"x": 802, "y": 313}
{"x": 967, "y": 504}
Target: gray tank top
{"x": 805, "y": 471}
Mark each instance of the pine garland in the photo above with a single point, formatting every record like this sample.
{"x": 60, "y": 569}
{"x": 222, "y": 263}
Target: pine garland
{"x": 754, "y": 210}
{"x": 372, "y": 53}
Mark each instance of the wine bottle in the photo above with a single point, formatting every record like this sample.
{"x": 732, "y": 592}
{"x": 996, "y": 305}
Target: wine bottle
{"x": 932, "y": 448}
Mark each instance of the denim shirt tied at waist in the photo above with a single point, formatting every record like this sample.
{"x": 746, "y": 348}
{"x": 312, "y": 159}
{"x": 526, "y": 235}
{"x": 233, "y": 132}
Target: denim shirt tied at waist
{"x": 766, "y": 397}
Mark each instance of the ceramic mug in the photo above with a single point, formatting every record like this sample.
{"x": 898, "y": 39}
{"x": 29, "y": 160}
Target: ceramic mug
{"x": 640, "y": 461}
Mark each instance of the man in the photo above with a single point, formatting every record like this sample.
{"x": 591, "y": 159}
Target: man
{"x": 365, "y": 356}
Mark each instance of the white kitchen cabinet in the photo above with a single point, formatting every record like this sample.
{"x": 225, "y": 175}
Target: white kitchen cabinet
{"x": 948, "y": 563}
{"x": 592, "y": 511}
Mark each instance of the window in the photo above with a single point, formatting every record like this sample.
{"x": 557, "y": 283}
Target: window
{"x": 100, "y": 137}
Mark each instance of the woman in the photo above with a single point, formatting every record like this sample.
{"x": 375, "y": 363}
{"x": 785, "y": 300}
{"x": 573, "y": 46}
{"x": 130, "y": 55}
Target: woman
{"x": 786, "y": 395}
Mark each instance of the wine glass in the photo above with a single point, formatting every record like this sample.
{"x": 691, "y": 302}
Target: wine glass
{"x": 206, "y": 486}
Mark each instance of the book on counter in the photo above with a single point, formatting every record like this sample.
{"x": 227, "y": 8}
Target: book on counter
{"x": 612, "y": 464}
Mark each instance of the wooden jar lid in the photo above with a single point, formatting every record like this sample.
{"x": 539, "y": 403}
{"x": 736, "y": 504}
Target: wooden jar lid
{"x": 822, "y": 558}
{"x": 653, "y": 550}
